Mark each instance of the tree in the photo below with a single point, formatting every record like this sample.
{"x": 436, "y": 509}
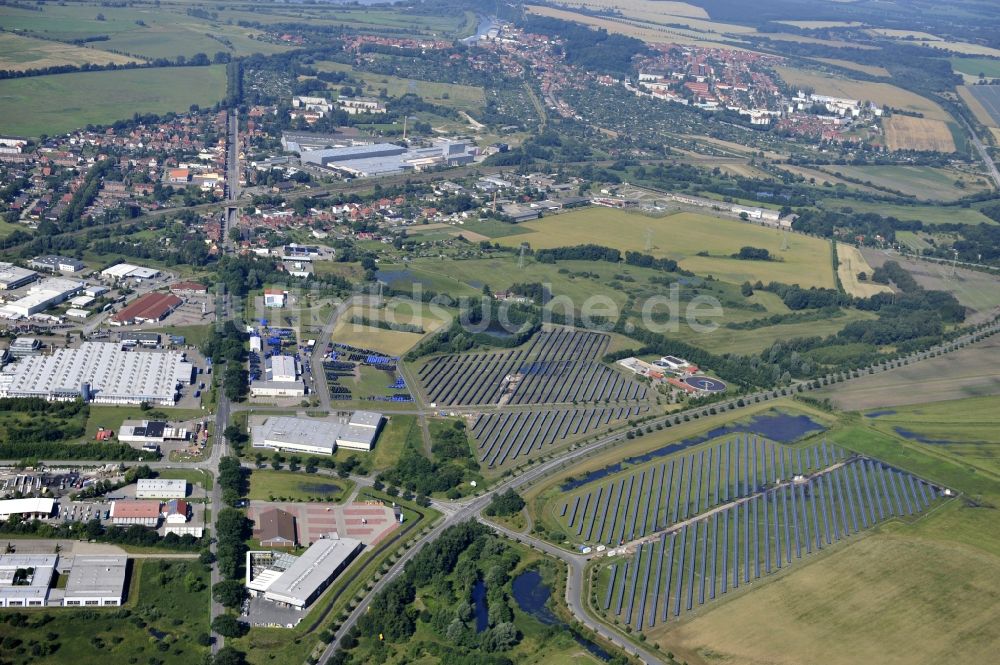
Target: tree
{"x": 507, "y": 503}
{"x": 229, "y": 593}
{"x": 229, "y": 626}
{"x": 229, "y": 656}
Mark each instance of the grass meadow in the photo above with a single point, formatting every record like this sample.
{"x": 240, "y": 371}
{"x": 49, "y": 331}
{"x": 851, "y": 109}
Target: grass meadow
{"x": 267, "y": 485}
{"x": 924, "y": 182}
{"x": 851, "y": 263}
{"x": 682, "y": 236}
{"x": 453, "y": 95}
{"x": 19, "y": 53}
{"x": 64, "y": 102}
{"x": 928, "y": 214}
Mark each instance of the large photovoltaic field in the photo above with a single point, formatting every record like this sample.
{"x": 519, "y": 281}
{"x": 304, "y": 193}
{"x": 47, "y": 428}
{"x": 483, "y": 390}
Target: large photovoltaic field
{"x": 504, "y": 437}
{"x": 560, "y": 366}
{"x": 704, "y": 544}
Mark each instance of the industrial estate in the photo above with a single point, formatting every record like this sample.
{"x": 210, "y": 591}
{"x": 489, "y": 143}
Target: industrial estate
{"x": 464, "y": 332}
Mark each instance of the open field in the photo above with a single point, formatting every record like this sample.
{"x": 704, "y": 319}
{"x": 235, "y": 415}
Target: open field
{"x": 960, "y": 47}
{"x": 880, "y": 93}
{"x": 880, "y": 591}
{"x": 988, "y": 97}
{"x": 856, "y": 66}
{"x": 912, "y": 241}
{"x": 907, "y": 133}
{"x": 963, "y": 428}
{"x": 976, "y": 290}
{"x": 976, "y": 66}
{"x": 970, "y": 372}
{"x": 392, "y": 342}
{"x": 728, "y": 340}
{"x": 266, "y": 485}
{"x": 641, "y": 8}
{"x": 682, "y": 236}
{"x": 19, "y": 53}
{"x": 63, "y": 102}
{"x": 923, "y": 182}
{"x": 928, "y": 214}
{"x": 159, "y": 603}
{"x": 852, "y": 262}
{"x": 977, "y": 108}
{"x": 453, "y": 95}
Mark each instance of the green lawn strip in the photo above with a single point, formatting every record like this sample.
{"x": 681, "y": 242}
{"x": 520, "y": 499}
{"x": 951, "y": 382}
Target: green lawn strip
{"x": 268, "y": 485}
{"x": 193, "y": 476}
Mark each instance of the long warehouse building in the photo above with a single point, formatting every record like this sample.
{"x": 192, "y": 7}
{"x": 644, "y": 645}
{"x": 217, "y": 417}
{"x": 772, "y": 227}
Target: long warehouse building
{"x": 312, "y": 435}
{"x": 100, "y": 373}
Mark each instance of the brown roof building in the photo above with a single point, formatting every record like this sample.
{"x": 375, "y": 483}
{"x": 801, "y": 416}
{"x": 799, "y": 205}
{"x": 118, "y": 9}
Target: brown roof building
{"x": 188, "y": 288}
{"x": 150, "y": 307}
{"x": 146, "y": 513}
{"x": 276, "y": 528}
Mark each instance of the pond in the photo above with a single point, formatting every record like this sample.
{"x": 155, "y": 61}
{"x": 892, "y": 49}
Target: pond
{"x": 481, "y": 609}
{"x": 394, "y": 277}
{"x": 879, "y": 414}
{"x": 774, "y": 425}
{"x": 919, "y": 438}
{"x": 319, "y": 488}
{"x": 532, "y": 596}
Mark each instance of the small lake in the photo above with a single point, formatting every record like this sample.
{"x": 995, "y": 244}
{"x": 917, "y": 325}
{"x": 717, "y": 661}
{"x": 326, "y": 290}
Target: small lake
{"x": 481, "y": 609}
{"x": 879, "y": 414}
{"x": 532, "y": 597}
{"x": 319, "y": 488}
{"x": 919, "y": 438}
{"x": 773, "y": 425}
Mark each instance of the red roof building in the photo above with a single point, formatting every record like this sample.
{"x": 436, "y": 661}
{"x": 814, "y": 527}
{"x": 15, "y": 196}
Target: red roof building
{"x": 150, "y": 307}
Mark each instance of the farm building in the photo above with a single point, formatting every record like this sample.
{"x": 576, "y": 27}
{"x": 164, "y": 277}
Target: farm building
{"x": 161, "y": 488}
{"x": 126, "y": 512}
{"x": 276, "y": 528}
{"x": 151, "y": 307}
{"x": 28, "y": 509}
{"x": 320, "y": 436}
{"x": 297, "y": 581}
{"x": 96, "y": 581}
{"x": 100, "y": 373}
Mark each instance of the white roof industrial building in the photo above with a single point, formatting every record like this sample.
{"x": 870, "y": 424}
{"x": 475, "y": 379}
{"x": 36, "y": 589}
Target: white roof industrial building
{"x": 100, "y": 373}
{"x": 160, "y": 488}
{"x": 28, "y": 590}
{"x": 28, "y": 508}
{"x": 318, "y": 436}
{"x": 13, "y": 277}
{"x": 96, "y": 581}
{"x": 41, "y": 296}
{"x": 129, "y": 271}
{"x": 298, "y": 581}
{"x": 280, "y": 379}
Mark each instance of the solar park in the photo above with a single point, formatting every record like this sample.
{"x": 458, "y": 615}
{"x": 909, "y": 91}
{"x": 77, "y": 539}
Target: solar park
{"x": 701, "y": 525}
{"x": 558, "y": 370}
{"x": 557, "y": 366}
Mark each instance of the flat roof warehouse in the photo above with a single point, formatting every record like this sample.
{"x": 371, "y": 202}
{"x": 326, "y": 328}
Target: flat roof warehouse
{"x": 311, "y": 435}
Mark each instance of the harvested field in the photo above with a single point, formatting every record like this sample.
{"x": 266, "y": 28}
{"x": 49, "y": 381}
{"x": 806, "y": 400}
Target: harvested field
{"x": 856, "y": 66}
{"x": 978, "y": 291}
{"x": 907, "y": 133}
{"x": 977, "y": 108}
{"x": 852, "y": 262}
{"x": 881, "y": 591}
{"x": 988, "y": 97}
{"x": 970, "y": 372}
{"x": 19, "y": 53}
{"x": 880, "y": 93}
{"x": 639, "y": 8}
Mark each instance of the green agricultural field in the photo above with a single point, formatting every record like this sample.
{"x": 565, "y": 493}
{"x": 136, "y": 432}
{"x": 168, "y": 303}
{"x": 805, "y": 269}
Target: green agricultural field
{"x": 912, "y": 241}
{"x": 165, "y": 597}
{"x": 20, "y": 53}
{"x": 925, "y": 213}
{"x": 681, "y": 236}
{"x": 63, "y": 102}
{"x": 461, "y": 97}
{"x": 923, "y": 182}
{"x": 976, "y": 66}
{"x": 266, "y": 485}
{"x": 746, "y": 342}
{"x": 963, "y": 428}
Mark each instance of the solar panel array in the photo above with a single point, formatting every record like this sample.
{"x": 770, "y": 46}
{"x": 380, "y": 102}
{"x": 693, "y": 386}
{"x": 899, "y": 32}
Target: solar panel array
{"x": 559, "y": 366}
{"x": 702, "y": 559}
{"x": 654, "y": 497}
{"x": 503, "y": 437}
